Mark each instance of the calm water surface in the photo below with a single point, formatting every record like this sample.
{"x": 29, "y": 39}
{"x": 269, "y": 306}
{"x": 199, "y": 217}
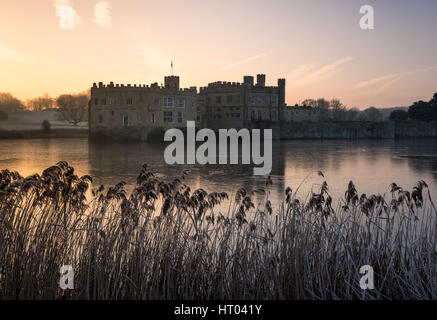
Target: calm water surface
{"x": 371, "y": 164}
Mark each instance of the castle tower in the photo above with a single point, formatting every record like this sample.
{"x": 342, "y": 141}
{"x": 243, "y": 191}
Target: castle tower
{"x": 171, "y": 82}
{"x": 261, "y": 80}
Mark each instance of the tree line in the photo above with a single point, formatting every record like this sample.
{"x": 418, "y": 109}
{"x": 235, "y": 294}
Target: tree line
{"x": 419, "y": 110}
{"x": 335, "y": 110}
{"x": 72, "y": 108}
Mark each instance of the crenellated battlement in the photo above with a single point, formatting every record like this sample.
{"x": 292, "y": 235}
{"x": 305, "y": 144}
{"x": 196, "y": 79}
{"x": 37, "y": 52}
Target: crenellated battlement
{"x": 154, "y": 87}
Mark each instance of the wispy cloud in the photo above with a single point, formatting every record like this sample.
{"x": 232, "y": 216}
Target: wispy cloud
{"x": 374, "y": 81}
{"x": 304, "y": 76}
{"x": 102, "y": 14}
{"x": 243, "y": 61}
{"x": 8, "y": 53}
{"x": 384, "y": 82}
{"x": 299, "y": 72}
{"x": 68, "y": 17}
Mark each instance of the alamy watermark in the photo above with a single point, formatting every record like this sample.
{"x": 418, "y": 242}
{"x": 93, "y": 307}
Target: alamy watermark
{"x": 67, "y": 277}
{"x": 206, "y": 153}
{"x": 367, "y": 21}
{"x": 367, "y": 280}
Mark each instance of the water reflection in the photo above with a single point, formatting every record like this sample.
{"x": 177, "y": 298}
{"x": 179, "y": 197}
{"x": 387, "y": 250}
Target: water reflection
{"x": 371, "y": 164}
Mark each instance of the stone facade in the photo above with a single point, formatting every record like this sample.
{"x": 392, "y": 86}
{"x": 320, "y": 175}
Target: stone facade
{"x": 237, "y": 105}
{"x": 132, "y": 112}
{"x": 301, "y": 114}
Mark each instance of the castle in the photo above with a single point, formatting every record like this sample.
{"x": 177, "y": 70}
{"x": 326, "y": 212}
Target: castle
{"x": 134, "y": 112}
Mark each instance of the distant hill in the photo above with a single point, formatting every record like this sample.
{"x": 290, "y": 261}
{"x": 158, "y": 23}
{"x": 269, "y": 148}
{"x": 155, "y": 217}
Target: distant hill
{"x": 386, "y": 111}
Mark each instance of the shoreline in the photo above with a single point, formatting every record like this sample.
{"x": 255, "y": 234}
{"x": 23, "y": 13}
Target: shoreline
{"x": 40, "y": 134}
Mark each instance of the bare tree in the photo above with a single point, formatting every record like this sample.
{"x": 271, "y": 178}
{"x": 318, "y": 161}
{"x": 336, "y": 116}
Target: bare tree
{"x": 324, "y": 109}
{"x": 72, "y": 108}
{"x": 338, "y": 110}
{"x": 310, "y": 103}
{"x": 9, "y": 104}
{"x": 40, "y": 103}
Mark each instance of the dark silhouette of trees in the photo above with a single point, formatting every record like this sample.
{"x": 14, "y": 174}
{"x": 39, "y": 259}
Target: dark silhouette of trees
{"x": 424, "y": 111}
{"x": 72, "y": 108}
{"x": 371, "y": 114}
{"x": 9, "y": 104}
{"x": 41, "y": 103}
{"x": 398, "y": 115}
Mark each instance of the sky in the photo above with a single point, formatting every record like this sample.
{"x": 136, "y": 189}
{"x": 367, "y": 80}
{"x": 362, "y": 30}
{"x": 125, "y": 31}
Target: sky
{"x": 317, "y": 45}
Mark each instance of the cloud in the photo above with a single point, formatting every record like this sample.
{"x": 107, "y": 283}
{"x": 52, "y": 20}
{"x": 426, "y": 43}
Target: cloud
{"x": 102, "y": 14}
{"x": 374, "y": 81}
{"x": 8, "y": 53}
{"x": 387, "y": 81}
{"x": 68, "y": 18}
{"x": 300, "y": 72}
{"x": 243, "y": 61}
{"x": 320, "y": 74}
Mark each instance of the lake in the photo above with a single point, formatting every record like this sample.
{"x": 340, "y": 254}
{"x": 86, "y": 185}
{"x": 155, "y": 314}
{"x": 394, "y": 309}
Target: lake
{"x": 372, "y": 164}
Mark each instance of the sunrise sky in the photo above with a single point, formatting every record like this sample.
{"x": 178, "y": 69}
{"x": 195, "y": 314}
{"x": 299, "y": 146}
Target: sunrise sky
{"x": 317, "y": 46}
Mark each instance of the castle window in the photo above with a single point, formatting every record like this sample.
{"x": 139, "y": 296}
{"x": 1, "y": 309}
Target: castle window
{"x": 273, "y": 115}
{"x": 100, "y": 118}
{"x": 168, "y": 101}
{"x": 198, "y": 109}
{"x": 125, "y": 121}
{"x": 181, "y": 103}
{"x": 168, "y": 116}
{"x": 208, "y": 100}
{"x": 198, "y": 118}
{"x": 156, "y": 102}
{"x": 274, "y": 100}
{"x": 260, "y": 100}
{"x": 238, "y": 98}
{"x": 103, "y": 102}
{"x": 180, "y": 117}
{"x": 229, "y": 99}
{"x": 260, "y": 115}
{"x": 112, "y": 113}
{"x": 153, "y": 117}
{"x": 218, "y": 99}
{"x": 252, "y": 115}
{"x": 96, "y": 101}
{"x": 129, "y": 101}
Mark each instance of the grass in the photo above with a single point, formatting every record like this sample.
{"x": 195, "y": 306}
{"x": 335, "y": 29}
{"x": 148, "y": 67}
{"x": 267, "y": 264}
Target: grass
{"x": 166, "y": 241}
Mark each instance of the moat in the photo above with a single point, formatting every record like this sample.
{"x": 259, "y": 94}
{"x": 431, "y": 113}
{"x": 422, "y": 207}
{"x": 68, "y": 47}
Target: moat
{"x": 372, "y": 164}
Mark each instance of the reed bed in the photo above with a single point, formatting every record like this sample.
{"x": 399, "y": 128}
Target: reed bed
{"x": 166, "y": 241}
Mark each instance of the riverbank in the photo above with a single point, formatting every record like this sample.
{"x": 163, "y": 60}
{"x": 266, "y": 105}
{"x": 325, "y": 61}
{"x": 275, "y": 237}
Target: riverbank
{"x": 40, "y": 134}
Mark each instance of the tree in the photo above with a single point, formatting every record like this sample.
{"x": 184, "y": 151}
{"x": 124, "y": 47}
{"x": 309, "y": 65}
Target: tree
{"x": 371, "y": 114}
{"x": 398, "y": 115}
{"x": 338, "y": 110}
{"x": 40, "y": 103}
{"x": 352, "y": 114}
{"x": 72, "y": 108}
{"x": 324, "y": 109}
{"x": 45, "y": 125}
{"x": 310, "y": 103}
{"x": 421, "y": 110}
{"x": 9, "y": 104}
